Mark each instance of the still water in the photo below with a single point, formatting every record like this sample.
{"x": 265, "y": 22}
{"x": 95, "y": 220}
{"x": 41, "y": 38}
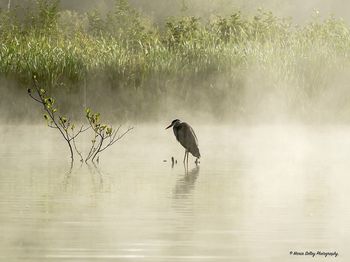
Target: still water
{"x": 258, "y": 194}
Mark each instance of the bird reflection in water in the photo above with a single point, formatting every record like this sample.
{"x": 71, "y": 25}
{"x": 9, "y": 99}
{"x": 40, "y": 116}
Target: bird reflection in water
{"x": 185, "y": 185}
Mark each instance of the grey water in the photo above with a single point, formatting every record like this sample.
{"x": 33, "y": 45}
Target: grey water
{"x": 258, "y": 194}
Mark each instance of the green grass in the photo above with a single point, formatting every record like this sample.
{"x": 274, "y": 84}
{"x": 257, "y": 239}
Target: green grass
{"x": 210, "y": 62}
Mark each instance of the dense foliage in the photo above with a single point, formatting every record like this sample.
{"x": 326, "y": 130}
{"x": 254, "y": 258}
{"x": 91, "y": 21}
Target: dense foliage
{"x": 203, "y": 64}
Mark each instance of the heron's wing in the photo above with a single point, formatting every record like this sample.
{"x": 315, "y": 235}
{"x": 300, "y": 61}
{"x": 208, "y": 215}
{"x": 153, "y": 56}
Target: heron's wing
{"x": 194, "y": 134}
{"x": 187, "y": 138}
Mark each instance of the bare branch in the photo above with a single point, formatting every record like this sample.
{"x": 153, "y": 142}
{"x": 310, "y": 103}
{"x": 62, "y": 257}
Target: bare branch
{"x": 34, "y": 98}
{"x": 52, "y": 126}
{"x": 76, "y": 149}
{"x": 81, "y": 130}
{"x": 117, "y": 139}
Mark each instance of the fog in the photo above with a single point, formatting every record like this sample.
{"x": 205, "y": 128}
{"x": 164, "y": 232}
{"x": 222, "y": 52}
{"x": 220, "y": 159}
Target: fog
{"x": 270, "y": 109}
{"x": 277, "y": 188}
{"x": 259, "y": 99}
{"x": 252, "y": 94}
{"x": 299, "y": 10}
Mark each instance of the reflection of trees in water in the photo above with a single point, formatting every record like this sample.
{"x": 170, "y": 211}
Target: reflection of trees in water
{"x": 67, "y": 179}
{"x": 96, "y": 177}
{"x": 70, "y": 181}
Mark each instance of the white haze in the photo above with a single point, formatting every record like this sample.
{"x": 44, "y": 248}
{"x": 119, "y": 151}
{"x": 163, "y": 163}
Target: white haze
{"x": 299, "y": 10}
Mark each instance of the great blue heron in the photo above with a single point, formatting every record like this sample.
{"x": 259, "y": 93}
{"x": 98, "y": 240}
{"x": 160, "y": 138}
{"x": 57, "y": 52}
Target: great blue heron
{"x": 187, "y": 138}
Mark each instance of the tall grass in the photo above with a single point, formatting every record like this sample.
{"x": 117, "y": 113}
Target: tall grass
{"x": 201, "y": 64}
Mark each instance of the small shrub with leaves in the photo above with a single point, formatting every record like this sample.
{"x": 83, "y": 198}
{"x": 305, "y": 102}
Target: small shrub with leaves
{"x": 55, "y": 120}
{"x": 104, "y": 135}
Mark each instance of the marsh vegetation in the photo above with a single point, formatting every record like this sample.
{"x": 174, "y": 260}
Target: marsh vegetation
{"x": 225, "y": 66}
{"x": 261, "y": 190}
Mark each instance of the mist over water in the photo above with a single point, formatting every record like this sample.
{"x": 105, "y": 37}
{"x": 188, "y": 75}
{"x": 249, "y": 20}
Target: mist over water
{"x": 268, "y": 100}
{"x": 259, "y": 193}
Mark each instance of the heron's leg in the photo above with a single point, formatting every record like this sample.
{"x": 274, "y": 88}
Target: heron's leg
{"x": 186, "y": 168}
{"x": 187, "y": 157}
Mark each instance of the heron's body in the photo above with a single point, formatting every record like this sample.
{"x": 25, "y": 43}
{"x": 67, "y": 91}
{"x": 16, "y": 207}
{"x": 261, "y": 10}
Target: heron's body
{"x": 186, "y": 136}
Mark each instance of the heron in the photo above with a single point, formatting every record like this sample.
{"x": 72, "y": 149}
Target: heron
{"x": 187, "y": 138}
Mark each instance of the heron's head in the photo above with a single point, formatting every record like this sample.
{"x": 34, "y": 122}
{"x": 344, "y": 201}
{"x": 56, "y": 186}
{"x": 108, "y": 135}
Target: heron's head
{"x": 173, "y": 123}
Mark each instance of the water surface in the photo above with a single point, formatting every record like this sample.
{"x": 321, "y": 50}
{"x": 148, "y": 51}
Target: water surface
{"x": 258, "y": 193}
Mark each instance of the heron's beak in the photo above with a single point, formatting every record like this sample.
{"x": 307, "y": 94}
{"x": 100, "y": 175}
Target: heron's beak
{"x": 169, "y": 126}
